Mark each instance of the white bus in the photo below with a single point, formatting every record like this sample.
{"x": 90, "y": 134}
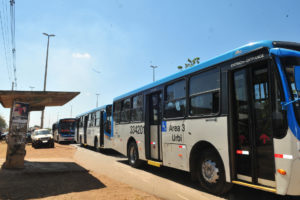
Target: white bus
{"x": 94, "y": 128}
{"x": 231, "y": 119}
{"x": 63, "y": 130}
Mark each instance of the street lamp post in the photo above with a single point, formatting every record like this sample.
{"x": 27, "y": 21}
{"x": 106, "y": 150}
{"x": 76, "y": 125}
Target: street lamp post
{"x": 46, "y": 67}
{"x": 97, "y": 100}
{"x": 153, "y": 67}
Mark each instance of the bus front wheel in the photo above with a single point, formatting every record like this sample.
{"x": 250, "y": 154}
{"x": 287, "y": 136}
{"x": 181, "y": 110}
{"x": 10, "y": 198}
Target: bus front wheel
{"x": 133, "y": 155}
{"x": 211, "y": 173}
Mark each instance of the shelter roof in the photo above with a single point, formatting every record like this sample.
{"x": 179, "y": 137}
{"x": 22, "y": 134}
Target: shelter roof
{"x": 37, "y": 100}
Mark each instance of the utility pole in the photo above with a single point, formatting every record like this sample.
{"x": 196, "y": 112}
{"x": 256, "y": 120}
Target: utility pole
{"x": 97, "y": 100}
{"x": 153, "y": 67}
{"x": 71, "y": 111}
{"x": 45, "y": 79}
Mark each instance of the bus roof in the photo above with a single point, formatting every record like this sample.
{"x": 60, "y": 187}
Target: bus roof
{"x": 226, "y": 56}
{"x": 93, "y": 110}
{"x": 63, "y": 119}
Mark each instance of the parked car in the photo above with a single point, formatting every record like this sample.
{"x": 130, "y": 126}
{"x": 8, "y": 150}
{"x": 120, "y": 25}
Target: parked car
{"x": 42, "y": 137}
{"x": 4, "y": 136}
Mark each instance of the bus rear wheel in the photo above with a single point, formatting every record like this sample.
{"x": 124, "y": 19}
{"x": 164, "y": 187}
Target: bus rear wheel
{"x": 133, "y": 155}
{"x": 96, "y": 144}
{"x": 211, "y": 173}
{"x": 80, "y": 141}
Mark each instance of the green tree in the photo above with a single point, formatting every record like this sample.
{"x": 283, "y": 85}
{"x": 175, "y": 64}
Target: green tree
{"x": 3, "y": 124}
{"x": 190, "y": 63}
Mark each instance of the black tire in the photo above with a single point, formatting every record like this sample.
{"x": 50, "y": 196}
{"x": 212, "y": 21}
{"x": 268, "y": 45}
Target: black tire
{"x": 211, "y": 173}
{"x": 52, "y": 145}
{"x": 33, "y": 145}
{"x": 95, "y": 144}
{"x": 80, "y": 141}
{"x": 133, "y": 155}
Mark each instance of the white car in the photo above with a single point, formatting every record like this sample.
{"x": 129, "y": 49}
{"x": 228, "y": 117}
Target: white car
{"x": 42, "y": 137}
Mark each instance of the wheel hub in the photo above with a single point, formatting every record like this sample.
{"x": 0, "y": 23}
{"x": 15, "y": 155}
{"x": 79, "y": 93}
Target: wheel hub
{"x": 210, "y": 171}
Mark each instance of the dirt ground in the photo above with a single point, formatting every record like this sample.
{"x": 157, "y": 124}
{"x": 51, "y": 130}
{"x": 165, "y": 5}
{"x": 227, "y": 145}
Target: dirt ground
{"x": 70, "y": 184}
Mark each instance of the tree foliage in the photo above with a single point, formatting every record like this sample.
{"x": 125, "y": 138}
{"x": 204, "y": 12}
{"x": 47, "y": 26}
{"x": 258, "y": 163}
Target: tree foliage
{"x": 190, "y": 63}
{"x": 3, "y": 124}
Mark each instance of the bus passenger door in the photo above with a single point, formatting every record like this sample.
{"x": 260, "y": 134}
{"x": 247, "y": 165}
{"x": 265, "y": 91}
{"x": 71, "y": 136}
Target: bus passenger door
{"x": 102, "y": 121}
{"x": 85, "y": 124}
{"x": 154, "y": 120}
{"x": 252, "y": 125}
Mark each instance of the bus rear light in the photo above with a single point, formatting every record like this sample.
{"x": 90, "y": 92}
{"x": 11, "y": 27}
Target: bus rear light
{"x": 284, "y": 156}
{"x": 180, "y": 155}
{"x": 241, "y": 152}
{"x": 181, "y": 147}
{"x": 281, "y": 171}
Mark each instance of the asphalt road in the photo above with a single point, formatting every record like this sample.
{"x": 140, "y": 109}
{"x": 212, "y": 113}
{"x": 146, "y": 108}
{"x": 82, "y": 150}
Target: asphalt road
{"x": 164, "y": 182}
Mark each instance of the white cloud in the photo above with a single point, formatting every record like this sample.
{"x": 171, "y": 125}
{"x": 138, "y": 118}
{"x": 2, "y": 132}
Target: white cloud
{"x": 81, "y": 55}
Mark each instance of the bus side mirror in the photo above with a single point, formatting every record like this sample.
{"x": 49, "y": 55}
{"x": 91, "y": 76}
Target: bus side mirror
{"x": 297, "y": 77}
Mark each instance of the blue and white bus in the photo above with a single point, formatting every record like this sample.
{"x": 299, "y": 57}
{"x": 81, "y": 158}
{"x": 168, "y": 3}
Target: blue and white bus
{"x": 94, "y": 127}
{"x": 63, "y": 130}
{"x": 232, "y": 119}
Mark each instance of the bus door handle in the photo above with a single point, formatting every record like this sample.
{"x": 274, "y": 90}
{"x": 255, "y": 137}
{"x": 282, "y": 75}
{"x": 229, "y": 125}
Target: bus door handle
{"x": 211, "y": 120}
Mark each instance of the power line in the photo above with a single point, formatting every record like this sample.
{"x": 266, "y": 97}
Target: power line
{"x": 4, "y": 36}
{"x": 7, "y": 24}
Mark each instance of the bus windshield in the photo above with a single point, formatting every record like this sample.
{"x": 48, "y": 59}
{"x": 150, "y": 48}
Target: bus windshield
{"x": 67, "y": 125}
{"x": 289, "y": 64}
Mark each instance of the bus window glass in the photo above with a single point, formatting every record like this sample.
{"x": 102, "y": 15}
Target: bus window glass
{"x": 289, "y": 63}
{"x": 137, "y": 109}
{"x": 206, "y": 81}
{"x": 279, "y": 115}
{"x": 125, "y": 111}
{"x": 117, "y": 111}
{"x": 176, "y": 90}
{"x": 204, "y": 93}
{"x": 175, "y": 104}
{"x": 97, "y": 119}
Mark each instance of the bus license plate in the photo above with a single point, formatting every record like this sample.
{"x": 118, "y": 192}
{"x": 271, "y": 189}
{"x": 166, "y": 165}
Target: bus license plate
{"x": 44, "y": 141}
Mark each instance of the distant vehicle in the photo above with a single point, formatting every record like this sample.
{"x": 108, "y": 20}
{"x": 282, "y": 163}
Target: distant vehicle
{"x": 94, "y": 127}
{"x": 64, "y": 130}
{"x": 42, "y": 137}
{"x": 2, "y": 136}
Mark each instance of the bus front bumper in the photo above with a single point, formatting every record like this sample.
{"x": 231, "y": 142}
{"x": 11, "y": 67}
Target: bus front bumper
{"x": 293, "y": 188}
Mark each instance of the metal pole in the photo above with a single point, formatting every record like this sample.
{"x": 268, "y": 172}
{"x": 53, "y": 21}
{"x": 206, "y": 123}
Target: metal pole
{"x": 11, "y": 110}
{"x": 45, "y": 79}
{"x": 71, "y": 111}
{"x": 153, "y": 67}
{"x": 97, "y": 100}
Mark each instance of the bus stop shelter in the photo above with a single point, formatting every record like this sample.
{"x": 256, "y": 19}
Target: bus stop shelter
{"x": 35, "y": 101}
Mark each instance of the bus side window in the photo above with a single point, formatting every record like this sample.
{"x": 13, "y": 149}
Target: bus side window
{"x": 175, "y": 104}
{"x": 125, "y": 110}
{"x": 97, "y": 119}
{"x": 204, "y": 93}
{"x": 117, "y": 112}
{"x": 137, "y": 109}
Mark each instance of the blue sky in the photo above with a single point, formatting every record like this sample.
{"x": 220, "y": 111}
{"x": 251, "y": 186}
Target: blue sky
{"x": 121, "y": 39}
